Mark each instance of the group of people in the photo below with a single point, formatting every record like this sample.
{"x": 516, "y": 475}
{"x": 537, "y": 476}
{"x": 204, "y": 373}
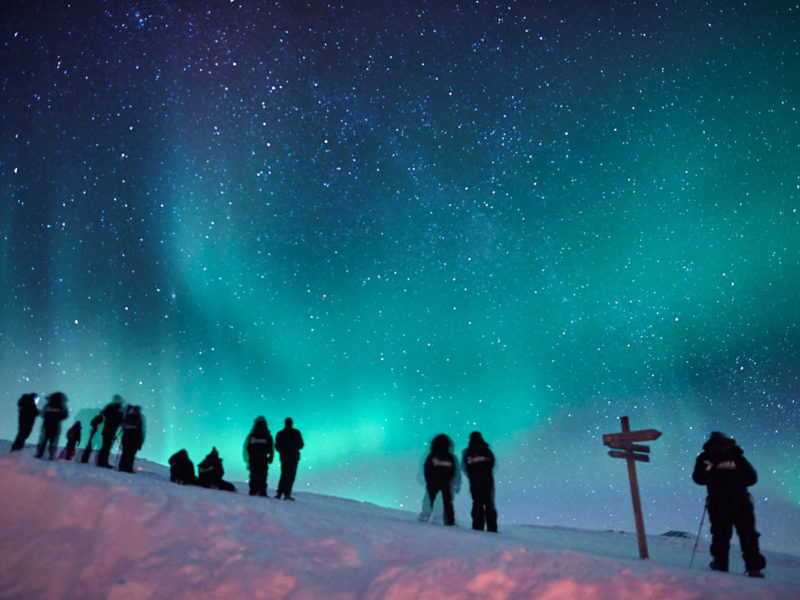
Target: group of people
{"x": 116, "y": 417}
{"x": 441, "y": 474}
{"x": 721, "y": 467}
{"x": 258, "y": 453}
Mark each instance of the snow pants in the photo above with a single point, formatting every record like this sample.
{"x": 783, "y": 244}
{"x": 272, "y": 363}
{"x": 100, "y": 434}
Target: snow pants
{"x": 483, "y": 509}
{"x": 724, "y": 517}
{"x": 288, "y": 474}
{"x": 105, "y": 451}
{"x": 49, "y": 439}
{"x": 127, "y": 457}
{"x": 25, "y": 428}
{"x": 258, "y": 477}
{"x": 447, "y": 499}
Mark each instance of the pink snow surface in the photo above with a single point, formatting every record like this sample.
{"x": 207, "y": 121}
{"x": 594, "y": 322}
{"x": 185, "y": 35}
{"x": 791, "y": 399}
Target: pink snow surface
{"x": 75, "y": 531}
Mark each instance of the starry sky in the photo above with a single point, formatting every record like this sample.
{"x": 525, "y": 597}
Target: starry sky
{"x": 390, "y": 220}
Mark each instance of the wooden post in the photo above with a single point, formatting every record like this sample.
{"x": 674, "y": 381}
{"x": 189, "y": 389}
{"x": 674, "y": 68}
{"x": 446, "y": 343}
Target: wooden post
{"x": 637, "y": 502}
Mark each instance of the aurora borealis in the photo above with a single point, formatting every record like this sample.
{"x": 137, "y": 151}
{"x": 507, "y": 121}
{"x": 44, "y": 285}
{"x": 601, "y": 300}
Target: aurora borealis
{"x": 391, "y": 220}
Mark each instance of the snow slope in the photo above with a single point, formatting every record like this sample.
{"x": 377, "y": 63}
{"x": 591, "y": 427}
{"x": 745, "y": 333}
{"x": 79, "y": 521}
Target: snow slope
{"x": 69, "y": 530}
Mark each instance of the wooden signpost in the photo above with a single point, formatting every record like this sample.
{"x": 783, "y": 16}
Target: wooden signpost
{"x": 624, "y": 447}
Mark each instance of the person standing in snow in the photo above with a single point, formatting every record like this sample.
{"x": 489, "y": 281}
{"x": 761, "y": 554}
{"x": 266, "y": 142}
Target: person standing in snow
{"x": 54, "y": 411}
{"x": 288, "y": 443}
{"x": 258, "y": 454}
{"x": 112, "y": 419}
{"x": 87, "y": 452}
{"x": 73, "y": 439}
{"x": 440, "y": 473}
{"x": 27, "y": 415}
{"x": 727, "y": 474}
{"x": 478, "y": 463}
{"x": 210, "y": 473}
{"x": 132, "y": 437}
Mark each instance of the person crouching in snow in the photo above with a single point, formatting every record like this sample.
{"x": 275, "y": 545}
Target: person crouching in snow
{"x": 181, "y": 469}
{"x": 440, "y": 472}
{"x": 210, "y": 473}
{"x": 258, "y": 454}
{"x": 727, "y": 474}
{"x": 478, "y": 464}
{"x": 54, "y": 411}
{"x": 73, "y": 439}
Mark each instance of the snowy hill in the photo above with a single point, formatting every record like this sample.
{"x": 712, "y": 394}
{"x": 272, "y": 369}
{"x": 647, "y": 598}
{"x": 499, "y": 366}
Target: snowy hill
{"x": 70, "y": 530}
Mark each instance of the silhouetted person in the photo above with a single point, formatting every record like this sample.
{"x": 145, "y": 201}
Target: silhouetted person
{"x": 27, "y": 415}
{"x": 112, "y": 419}
{"x": 132, "y": 437}
{"x": 54, "y": 411}
{"x": 440, "y": 471}
{"x": 288, "y": 443}
{"x": 258, "y": 454}
{"x": 727, "y": 474}
{"x": 87, "y": 452}
{"x": 210, "y": 473}
{"x": 478, "y": 463}
{"x": 73, "y": 439}
{"x": 181, "y": 469}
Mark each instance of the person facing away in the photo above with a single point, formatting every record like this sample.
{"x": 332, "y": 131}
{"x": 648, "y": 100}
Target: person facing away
{"x": 112, "y": 419}
{"x": 54, "y": 411}
{"x": 727, "y": 474}
{"x": 258, "y": 454}
{"x": 210, "y": 473}
{"x": 87, "y": 452}
{"x": 181, "y": 469}
{"x": 288, "y": 443}
{"x": 440, "y": 471}
{"x": 132, "y": 437}
{"x": 27, "y": 415}
{"x": 478, "y": 463}
{"x": 73, "y": 439}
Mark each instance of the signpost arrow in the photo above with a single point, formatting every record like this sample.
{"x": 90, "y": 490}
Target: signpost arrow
{"x": 630, "y": 455}
{"x": 630, "y": 447}
{"x": 628, "y": 437}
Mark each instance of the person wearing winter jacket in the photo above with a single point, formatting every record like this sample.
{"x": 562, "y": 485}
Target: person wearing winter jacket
{"x": 210, "y": 473}
{"x": 133, "y": 429}
{"x": 54, "y": 411}
{"x": 112, "y": 418}
{"x": 27, "y": 415}
{"x": 478, "y": 463}
{"x": 73, "y": 439}
{"x": 181, "y": 469}
{"x": 440, "y": 471}
{"x": 727, "y": 474}
{"x": 258, "y": 454}
{"x": 288, "y": 443}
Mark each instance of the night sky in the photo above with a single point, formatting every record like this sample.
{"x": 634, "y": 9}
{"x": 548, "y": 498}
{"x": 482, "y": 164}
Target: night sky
{"x": 390, "y": 220}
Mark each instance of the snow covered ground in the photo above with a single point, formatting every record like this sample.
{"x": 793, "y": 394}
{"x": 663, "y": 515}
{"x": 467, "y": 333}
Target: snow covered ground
{"x": 69, "y": 530}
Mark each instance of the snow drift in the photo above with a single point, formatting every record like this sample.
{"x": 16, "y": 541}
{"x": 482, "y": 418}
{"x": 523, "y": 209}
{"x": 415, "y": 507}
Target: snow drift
{"x": 70, "y": 530}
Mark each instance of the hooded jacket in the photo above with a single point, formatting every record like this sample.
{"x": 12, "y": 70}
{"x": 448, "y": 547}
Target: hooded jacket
{"x": 478, "y": 461}
{"x": 723, "y": 469}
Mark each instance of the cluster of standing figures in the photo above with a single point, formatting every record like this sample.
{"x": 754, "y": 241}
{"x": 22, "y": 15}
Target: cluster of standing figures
{"x": 259, "y": 451}
{"x": 721, "y": 467}
{"x": 441, "y": 476}
{"x": 115, "y": 417}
